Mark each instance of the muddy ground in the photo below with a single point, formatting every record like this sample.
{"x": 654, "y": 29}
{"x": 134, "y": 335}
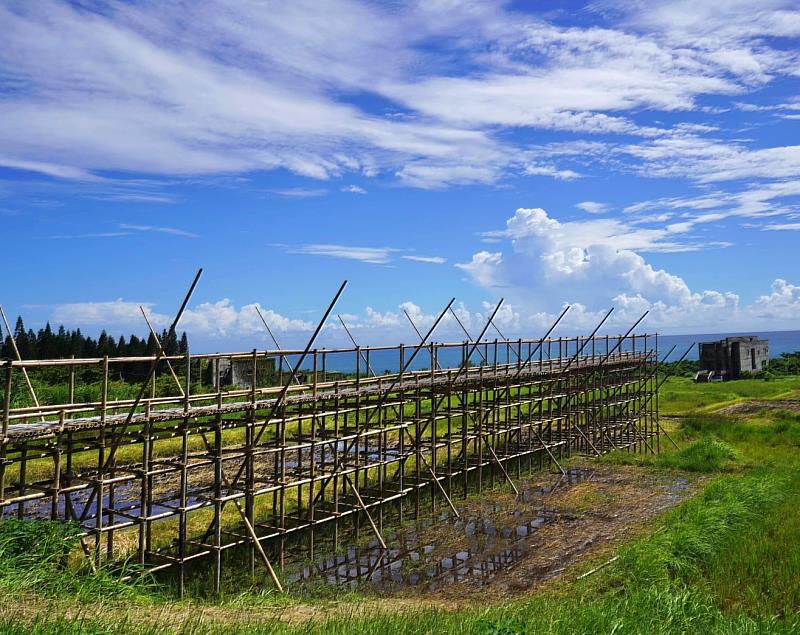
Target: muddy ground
{"x": 752, "y": 407}
{"x": 504, "y": 545}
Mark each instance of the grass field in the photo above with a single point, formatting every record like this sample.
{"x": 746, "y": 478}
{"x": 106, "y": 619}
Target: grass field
{"x": 725, "y": 561}
{"x": 681, "y": 396}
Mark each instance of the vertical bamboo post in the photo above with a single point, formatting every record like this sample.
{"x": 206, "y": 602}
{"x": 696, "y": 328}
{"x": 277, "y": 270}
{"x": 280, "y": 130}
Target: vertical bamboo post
{"x": 184, "y": 480}
{"x": 72, "y": 382}
{"x": 249, "y": 502}
{"x": 145, "y": 481}
{"x": 5, "y": 440}
{"x": 218, "y": 495}
{"x": 57, "y": 452}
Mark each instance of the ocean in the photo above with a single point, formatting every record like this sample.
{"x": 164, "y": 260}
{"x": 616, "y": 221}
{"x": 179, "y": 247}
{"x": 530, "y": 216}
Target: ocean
{"x": 388, "y": 361}
{"x": 779, "y": 342}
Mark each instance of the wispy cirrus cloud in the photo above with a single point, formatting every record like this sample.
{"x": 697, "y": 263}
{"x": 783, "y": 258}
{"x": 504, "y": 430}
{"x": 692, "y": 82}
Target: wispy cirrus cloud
{"x": 300, "y": 192}
{"x": 174, "y": 231}
{"x": 371, "y": 255}
{"x": 435, "y": 260}
{"x": 126, "y": 229}
{"x": 241, "y": 88}
{"x": 782, "y": 227}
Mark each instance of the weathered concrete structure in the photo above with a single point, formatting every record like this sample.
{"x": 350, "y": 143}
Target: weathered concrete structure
{"x": 236, "y": 372}
{"x": 729, "y": 358}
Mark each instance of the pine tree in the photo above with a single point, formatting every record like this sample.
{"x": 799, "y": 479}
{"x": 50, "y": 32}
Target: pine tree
{"x": 152, "y": 345}
{"x": 23, "y": 340}
{"x": 122, "y": 347}
{"x": 45, "y": 343}
{"x": 170, "y": 342}
{"x": 62, "y": 343}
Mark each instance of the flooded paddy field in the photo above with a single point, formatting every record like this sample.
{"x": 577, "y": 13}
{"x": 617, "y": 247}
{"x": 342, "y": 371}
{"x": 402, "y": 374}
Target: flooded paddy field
{"x": 501, "y": 543}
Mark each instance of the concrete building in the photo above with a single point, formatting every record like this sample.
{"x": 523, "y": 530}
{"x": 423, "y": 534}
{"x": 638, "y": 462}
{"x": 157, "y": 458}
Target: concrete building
{"x": 729, "y": 358}
{"x": 238, "y": 372}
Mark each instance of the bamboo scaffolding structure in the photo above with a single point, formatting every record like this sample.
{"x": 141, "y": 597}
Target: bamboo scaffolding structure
{"x": 323, "y": 449}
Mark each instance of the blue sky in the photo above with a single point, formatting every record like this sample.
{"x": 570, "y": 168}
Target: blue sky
{"x": 641, "y": 155}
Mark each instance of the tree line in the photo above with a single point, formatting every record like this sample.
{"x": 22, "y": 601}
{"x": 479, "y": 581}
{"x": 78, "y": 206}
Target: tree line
{"x": 62, "y": 343}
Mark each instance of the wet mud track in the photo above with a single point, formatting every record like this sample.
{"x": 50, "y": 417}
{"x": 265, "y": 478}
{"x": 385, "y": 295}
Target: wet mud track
{"x": 503, "y": 544}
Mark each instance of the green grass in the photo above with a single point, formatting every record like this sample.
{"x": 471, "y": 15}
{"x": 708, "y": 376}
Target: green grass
{"x": 725, "y": 561}
{"x": 36, "y": 557}
{"x": 681, "y": 396}
{"x": 706, "y": 454}
{"x": 670, "y": 582}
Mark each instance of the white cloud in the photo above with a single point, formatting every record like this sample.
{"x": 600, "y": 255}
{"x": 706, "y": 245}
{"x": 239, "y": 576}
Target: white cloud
{"x": 211, "y": 319}
{"x": 529, "y": 312}
{"x": 435, "y": 260}
{"x": 159, "y": 230}
{"x": 483, "y": 267}
{"x": 49, "y": 169}
{"x": 593, "y": 263}
{"x": 114, "y": 313}
{"x": 552, "y": 171}
{"x": 709, "y": 160}
{"x": 782, "y": 303}
{"x": 354, "y": 189}
{"x": 592, "y": 207}
{"x": 222, "y": 319}
{"x": 243, "y": 87}
{"x": 545, "y": 263}
{"x": 126, "y": 229}
{"x": 373, "y": 255}
{"x": 611, "y": 233}
{"x": 757, "y": 200}
{"x": 300, "y": 192}
{"x": 778, "y": 227}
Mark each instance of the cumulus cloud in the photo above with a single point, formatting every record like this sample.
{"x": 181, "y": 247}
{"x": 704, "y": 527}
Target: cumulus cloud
{"x": 215, "y": 319}
{"x": 222, "y": 318}
{"x": 594, "y": 263}
{"x": 113, "y": 313}
{"x": 782, "y": 303}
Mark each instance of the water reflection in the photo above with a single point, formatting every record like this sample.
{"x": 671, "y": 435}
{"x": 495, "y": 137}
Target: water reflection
{"x": 479, "y": 546}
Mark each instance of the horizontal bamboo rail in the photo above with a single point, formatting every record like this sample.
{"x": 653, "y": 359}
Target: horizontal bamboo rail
{"x": 208, "y": 468}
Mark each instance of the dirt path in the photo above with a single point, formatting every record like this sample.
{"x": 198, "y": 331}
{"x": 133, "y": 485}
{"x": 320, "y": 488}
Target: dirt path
{"x": 752, "y": 407}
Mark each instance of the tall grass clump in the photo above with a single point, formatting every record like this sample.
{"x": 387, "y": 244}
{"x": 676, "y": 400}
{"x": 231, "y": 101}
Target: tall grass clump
{"x": 701, "y": 528}
{"x": 35, "y": 556}
{"x": 32, "y": 554}
{"x": 703, "y": 455}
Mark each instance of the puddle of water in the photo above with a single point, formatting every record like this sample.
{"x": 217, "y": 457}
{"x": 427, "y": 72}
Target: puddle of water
{"x": 408, "y": 563}
{"x": 488, "y": 542}
{"x": 126, "y": 499}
